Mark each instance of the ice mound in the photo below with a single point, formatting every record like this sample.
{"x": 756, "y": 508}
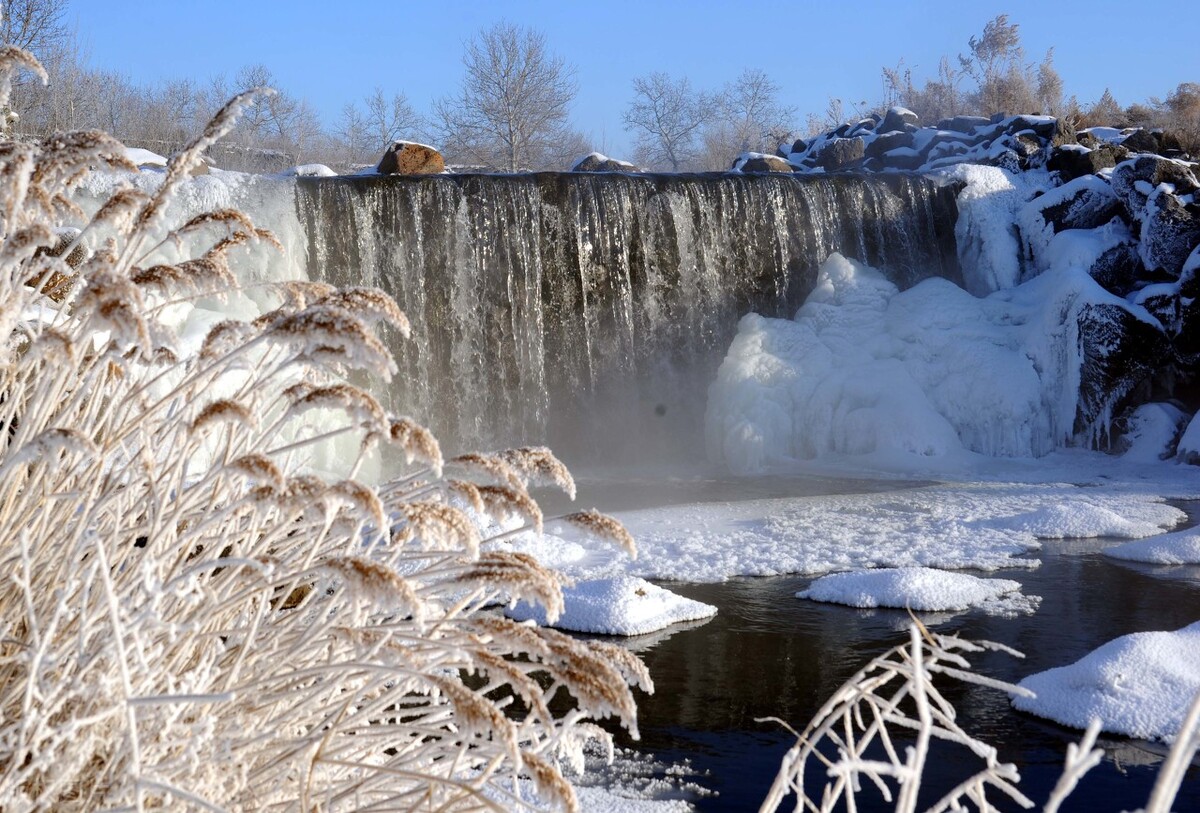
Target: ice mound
{"x": 625, "y": 605}
{"x": 919, "y": 588}
{"x": 1087, "y": 520}
{"x": 1139, "y": 685}
{"x": 865, "y": 369}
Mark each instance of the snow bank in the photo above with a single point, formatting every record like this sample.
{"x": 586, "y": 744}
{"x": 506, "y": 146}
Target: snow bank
{"x": 145, "y": 159}
{"x": 1139, "y": 685}
{"x": 1151, "y": 430}
{"x": 920, "y": 588}
{"x": 1088, "y": 520}
{"x": 625, "y": 605}
{"x": 1189, "y": 442}
{"x": 1180, "y": 548}
{"x": 865, "y": 369}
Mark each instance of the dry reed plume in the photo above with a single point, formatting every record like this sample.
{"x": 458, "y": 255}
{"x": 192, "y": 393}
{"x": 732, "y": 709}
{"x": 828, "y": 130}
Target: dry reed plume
{"x": 188, "y": 618}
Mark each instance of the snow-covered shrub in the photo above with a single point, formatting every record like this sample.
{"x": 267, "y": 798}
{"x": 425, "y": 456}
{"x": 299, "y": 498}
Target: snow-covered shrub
{"x": 187, "y": 617}
{"x": 872, "y": 741}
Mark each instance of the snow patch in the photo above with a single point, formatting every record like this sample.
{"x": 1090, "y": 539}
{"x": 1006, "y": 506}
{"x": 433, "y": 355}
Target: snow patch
{"x": 1138, "y": 685}
{"x": 1179, "y": 548}
{"x": 624, "y": 605}
{"x": 919, "y": 588}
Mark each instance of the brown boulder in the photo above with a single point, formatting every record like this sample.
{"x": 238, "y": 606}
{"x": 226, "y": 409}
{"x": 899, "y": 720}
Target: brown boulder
{"x": 410, "y": 158}
{"x": 766, "y": 163}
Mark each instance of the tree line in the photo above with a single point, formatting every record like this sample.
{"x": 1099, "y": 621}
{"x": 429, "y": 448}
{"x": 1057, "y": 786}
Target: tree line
{"x": 512, "y": 109}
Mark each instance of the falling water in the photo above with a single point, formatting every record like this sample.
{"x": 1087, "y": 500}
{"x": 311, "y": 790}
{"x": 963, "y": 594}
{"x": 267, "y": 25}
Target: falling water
{"x": 589, "y": 311}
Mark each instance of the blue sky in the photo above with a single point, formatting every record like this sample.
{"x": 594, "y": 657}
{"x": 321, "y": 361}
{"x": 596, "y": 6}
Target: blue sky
{"x": 331, "y": 52}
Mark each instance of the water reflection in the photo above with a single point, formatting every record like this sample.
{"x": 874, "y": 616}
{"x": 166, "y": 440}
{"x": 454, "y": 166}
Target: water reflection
{"x": 768, "y": 654}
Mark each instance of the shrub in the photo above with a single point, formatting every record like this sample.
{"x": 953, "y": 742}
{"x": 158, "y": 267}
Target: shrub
{"x": 188, "y": 617}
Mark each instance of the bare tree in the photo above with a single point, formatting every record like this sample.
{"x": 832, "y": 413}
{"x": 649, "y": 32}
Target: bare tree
{"x": 748, "y": 117}
{"x": 35, "y": 25}
{"x": 665, "y": 116}
{"x": 514, "y": 101}
{"x": 392, "y": 119}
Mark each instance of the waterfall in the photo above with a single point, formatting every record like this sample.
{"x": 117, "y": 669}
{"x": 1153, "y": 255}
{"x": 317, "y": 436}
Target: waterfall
{"x": 590, "y": 311}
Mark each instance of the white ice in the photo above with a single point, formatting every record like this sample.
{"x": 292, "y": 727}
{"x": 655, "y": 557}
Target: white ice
{"x": 1138, "y": 685}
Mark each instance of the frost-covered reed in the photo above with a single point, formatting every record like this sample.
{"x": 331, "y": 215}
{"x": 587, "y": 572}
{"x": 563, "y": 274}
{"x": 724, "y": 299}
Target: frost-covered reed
{"x": 189, "y": 618}
{"x": 871, "y": 741}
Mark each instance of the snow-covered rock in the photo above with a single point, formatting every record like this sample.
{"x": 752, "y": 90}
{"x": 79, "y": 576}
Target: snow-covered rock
{"x": 625, "y": 605}
{"x": 919, "y": 588}
{"x": 308, "y": 171}
{"x": 1152, "y": 431}
{"x": 410, "y": 158}
{"x": 1189, "y": 442}
{"x": 1138, "y": 685}
{"x": 599, "y": 162}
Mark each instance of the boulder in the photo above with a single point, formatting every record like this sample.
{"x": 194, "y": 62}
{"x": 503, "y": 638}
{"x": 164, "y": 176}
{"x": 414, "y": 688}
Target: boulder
{"x": 799, "y": 145}
{"x": 905, "y": 158}
{"x": 765, "y": 163}
{"x": 887, "y": 142}
{"x": 410, "y": 158}
{"x": 1044, "y": 127}
{"x": 1072, "y": 161}
{"x": 1117, "y": 269}
{"x": 1170, "y": 231}
{"x": 1133, "y": 180}
{"x": 841, "y": 153}
{"x": 1120, "y": 352}
{"x": 1141, "y": 140}
{"x": 963, "y": 124}
{"x": 896, "y": 118}
{"x": 598, "y": 162}
{"x": 1084, "y": 203}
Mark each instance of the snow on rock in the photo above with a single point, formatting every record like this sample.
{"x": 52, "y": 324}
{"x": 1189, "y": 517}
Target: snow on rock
{"x": 1084, "y": 203}
{"x": 624, "y": 605}
{"x": 1138, "y": 685}
{"x": 145, "y": 159}
{"x": 865, "y": 369}
{"x": 986, "y": 233}
{"x": 1151, "y": 432}
{"x": 599, "y": 162}
{"x": 919, "y": 588}
{"x": 1179, "y": 548}
{"x": 1189, "y": 443}
{"x": 308, "y": 171}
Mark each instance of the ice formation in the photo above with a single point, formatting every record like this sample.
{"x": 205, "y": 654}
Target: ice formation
{"x": 866, "y": 369}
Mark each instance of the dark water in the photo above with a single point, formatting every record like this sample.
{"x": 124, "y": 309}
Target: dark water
{"x": 769, "y": 654}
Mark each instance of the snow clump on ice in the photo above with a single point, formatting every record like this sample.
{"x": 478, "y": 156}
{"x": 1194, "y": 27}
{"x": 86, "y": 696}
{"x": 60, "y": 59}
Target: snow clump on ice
{"x": 1180, "y": 548}
{"x": 625, "y": 605}
{"x": 920, "y": 588}
{"x": 1139, "y": 685}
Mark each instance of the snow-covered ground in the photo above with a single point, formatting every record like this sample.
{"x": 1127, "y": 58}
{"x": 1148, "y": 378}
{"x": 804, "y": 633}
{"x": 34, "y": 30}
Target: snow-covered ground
{"x": 977, "y": 525}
